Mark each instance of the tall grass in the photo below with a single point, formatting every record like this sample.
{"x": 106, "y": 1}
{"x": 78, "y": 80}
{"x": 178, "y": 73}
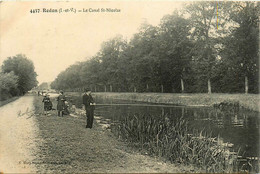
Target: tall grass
{"x": 171, "y": 140}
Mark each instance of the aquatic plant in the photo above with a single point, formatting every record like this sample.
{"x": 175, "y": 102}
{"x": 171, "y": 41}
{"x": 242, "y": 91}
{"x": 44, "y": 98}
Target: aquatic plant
{"x": 172, "y": 140}
{"x": 228, "y": 106}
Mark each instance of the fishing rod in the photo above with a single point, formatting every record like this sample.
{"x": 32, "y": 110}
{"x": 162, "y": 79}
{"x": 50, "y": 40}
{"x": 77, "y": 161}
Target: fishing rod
{"x": 159, "y": 105}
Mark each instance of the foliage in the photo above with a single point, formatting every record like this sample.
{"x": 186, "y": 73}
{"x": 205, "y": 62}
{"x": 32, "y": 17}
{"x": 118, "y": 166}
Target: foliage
{"x": 175, "y": 51}
{"x": 8, "y": 85}
{"x": 242, "y": 48}
{"x": 206, "y": 46}
{"x": 23, "y": 68}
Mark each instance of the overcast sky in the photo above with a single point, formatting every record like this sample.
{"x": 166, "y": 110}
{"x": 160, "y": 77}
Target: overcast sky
{"x": 54, "y": 41}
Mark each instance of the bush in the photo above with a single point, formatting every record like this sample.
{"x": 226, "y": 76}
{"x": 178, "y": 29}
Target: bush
{"x": 24, "y": 69}
{"x": 8, "y": 85}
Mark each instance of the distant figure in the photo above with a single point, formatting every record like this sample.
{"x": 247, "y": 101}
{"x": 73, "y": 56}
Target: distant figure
{"x": 61, "y": 103}
{"x": 66, "y": 108}
{"x": 89, "y": 104}
{"x": 47, "y": 104}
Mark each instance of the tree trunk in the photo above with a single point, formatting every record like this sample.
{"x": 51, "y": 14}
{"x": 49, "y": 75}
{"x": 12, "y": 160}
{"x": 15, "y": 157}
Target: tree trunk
{"x": 134, "y": 89}
{"x": 246, "y": 85}
{"x": 162, "y": 111}
{"x": 111, "y": 88}
{"x": 147, "y": 87}
{"x": 182, "y": 86}
{"x": 105, "y": 88}
{"x": 95, "y": 88}
{"x": 162, "y": 88}
{"x": 182, "y": 112}
{"x": 209, "y": 87}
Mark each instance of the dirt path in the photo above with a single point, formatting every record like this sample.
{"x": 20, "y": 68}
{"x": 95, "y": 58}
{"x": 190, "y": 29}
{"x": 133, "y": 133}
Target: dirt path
{"x": 17, "y": 136}
{"x": 51, "y": 144}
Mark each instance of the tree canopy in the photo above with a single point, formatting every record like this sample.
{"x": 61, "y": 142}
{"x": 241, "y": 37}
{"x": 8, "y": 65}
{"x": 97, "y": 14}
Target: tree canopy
{"x": 207, "y": 46}
{"x": 8, "y": 85}
{"x": 23, "y": 68}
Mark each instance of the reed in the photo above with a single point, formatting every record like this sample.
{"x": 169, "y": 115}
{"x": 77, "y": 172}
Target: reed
{"x": 170, "y": 139}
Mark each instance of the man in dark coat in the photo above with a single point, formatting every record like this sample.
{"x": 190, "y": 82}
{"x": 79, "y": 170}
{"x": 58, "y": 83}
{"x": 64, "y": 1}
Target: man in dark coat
{"x": 89, "y": 104}
{"x": 61, "y": 103}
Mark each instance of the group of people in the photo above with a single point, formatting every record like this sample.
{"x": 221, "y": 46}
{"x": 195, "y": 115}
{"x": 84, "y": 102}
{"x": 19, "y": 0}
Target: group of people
{"x": 63, "y": 105}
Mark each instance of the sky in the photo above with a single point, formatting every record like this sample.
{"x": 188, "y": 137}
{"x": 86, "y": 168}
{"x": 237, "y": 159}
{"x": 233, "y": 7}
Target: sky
{"x": 54, "y": 41}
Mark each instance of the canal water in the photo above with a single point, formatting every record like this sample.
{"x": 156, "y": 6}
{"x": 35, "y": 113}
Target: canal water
{"x": 239, "y": 127}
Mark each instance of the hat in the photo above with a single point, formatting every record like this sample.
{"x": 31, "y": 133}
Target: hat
{"x": 87, "y": 89}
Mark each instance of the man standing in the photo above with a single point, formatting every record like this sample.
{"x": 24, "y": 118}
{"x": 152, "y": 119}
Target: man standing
{"x": 61, "y": 103}
{"x": 89, "y": 104}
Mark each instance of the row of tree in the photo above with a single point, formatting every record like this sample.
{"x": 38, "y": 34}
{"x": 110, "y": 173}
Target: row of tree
{"x": 17, "y": 76}
{"x": 205, "y": 47}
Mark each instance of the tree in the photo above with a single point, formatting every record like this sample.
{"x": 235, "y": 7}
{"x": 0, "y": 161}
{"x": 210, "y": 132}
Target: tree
{"x": 143, "y": 60}
{"x": 90, "y": 73}
{"x": 175, "y": 50}
{"x": 214, "y": 43}
{"x": 205, "y": 33}
{"x": 8, "y": 85}
{"x": 24, "y": 69}
{"x": 69, "y": 79}
{"x": 109, "y": 58}
{"x": 241, "y": 51}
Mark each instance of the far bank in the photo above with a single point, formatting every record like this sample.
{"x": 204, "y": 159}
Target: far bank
{"x": 249, "y": 101}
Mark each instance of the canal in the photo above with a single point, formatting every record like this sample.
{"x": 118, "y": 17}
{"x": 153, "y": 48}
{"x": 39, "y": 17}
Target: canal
{"x": 236, "y": 126}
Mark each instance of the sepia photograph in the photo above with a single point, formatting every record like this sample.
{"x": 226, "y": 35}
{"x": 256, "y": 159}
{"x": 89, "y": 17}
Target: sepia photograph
{"x": 143, "y": 86}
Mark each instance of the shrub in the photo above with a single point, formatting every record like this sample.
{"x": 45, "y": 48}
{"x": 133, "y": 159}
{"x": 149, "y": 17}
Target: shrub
{"x": 8, "y": 85}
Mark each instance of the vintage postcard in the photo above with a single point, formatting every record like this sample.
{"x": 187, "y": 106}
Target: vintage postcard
{"x": 129, "y": 86}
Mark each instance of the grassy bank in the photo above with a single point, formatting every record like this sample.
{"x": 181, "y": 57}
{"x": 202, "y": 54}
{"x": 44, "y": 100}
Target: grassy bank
{"x": 249, "y": 101}
{"x": 2, "y": 103}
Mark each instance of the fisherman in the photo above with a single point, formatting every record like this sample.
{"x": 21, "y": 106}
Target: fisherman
{"x": 89, "y": 104}
{"x": 47, "y": 103}
{"x": 61, "y": 103}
